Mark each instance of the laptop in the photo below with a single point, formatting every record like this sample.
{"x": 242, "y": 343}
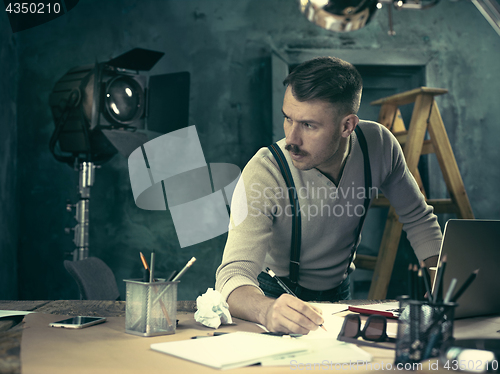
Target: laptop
{"x": 470, "y": 245}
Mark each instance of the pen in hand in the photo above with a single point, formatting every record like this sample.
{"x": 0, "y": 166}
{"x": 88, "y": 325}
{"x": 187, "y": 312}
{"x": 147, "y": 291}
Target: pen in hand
{"x": 285, "y": 287}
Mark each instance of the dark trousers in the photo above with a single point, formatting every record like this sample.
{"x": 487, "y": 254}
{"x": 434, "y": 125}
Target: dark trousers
{"x": 272, "y": 289}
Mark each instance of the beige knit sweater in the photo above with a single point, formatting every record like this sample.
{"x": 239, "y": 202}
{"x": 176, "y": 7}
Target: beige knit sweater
{"x": 261, "y": 221}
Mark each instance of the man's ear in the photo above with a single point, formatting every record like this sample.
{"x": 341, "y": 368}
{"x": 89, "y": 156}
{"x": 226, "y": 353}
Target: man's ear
{"x": 348, "y": 124}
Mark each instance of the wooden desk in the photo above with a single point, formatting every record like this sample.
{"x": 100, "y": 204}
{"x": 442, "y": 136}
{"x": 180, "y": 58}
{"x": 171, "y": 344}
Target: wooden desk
{"x": 11, "y": 328}
{"x": 11, "y": 334}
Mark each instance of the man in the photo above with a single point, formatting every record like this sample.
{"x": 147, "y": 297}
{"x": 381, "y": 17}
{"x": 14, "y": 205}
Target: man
{"x": 327, "y": 163}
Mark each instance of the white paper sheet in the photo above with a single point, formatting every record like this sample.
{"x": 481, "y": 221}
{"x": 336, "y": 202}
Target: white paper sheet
{"x": 325, "y": 352}
{"x": 9, "y": 313}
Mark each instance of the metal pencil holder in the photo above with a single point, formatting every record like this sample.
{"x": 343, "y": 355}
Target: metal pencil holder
{"x": 151, "y": 307}
{"x": 423, "y": 327}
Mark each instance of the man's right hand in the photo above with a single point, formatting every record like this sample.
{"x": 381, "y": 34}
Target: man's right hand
{"x": 291, "y": 315}
{"x": 285, "y": 314}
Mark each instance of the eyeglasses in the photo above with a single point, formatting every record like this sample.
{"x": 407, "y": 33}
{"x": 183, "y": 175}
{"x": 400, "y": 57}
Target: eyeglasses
{"x": 375, "y": 330}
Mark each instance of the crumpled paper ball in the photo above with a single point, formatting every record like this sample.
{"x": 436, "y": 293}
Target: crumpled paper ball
{"x": 212, "y": 309}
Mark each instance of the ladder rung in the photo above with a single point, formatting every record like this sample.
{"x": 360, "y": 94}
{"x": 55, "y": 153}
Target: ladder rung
{"x": 409, "y": 96}
{"x": 427, "y": 147}
{"x": 440, "y": 205}
{"x": 365, "y": 262}
{"x": 443, "y": 205}
{"x": 380, "y": 201}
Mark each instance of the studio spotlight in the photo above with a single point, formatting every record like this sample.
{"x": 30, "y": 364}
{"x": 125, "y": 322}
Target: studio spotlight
{"x": 105, "y": 108}
{"x": 351, "y": 15}
{"x": 339, "y": 15}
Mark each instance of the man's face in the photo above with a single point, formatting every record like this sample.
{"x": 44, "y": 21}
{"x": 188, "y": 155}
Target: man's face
{"x": 313, "y": 132}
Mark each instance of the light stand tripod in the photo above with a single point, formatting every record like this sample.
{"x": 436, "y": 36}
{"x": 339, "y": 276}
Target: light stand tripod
{"x": 81, "y": 229}
{"x": 109, "y": 107}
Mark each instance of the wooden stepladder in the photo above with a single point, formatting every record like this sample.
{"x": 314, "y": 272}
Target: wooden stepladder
{"x": 425, "y": 117}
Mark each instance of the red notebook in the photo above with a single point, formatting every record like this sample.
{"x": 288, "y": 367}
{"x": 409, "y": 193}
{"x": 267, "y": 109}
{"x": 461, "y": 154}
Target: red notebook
{"x": 389, "y": 310}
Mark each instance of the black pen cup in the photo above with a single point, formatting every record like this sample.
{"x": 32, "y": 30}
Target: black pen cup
{"x": 151, "y": 307}
{"x": 422, "y": 329}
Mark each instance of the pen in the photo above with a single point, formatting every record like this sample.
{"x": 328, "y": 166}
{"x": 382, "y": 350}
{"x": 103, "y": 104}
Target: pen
{"x": 209, "y": 335}
{"x": 184, "y": 269}
{"x": 282, "y": 334}
{"x": 152, "y": 268}
{"x": 171, "y": 276}
{"x": 465, "y": 285}
{"x": 285, "y": 287}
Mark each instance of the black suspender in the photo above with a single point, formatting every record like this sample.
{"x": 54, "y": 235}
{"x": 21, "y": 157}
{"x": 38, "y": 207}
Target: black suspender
{"x": 294, "y": 200}
{"x": 368, "y": 185}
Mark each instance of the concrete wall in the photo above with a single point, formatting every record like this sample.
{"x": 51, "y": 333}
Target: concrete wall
{"x": 226, "y": 46}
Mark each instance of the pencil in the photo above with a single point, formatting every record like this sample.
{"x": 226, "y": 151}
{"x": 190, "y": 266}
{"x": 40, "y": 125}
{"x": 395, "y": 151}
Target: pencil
{"x": 416, "y": 295}
{"x": 451, "y": 288}
{"x": 420, "y": 285}
{"x": 280, "y": 282}
{"x": 146, "y": 275}
{"x": 465, "y": 285}
{"x": 285, "y": 287}
{"x": 144, "y": 261}
{"x": 426, "y": 281}
{"x": 177, "y": 277}
{"x": 438, "y": 286}
{"x": 410, "y": 281}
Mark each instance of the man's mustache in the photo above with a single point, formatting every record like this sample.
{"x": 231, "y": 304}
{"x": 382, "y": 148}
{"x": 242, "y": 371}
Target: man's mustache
{"x": 295, "y": 149}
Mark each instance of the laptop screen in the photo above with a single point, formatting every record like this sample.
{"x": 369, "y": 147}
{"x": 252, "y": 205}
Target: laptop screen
{"x": 470, "y": 245}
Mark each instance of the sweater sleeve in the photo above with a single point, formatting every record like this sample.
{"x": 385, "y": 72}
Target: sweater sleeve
{"x": 417, "y": 217}
{"x": 250, "y": 228}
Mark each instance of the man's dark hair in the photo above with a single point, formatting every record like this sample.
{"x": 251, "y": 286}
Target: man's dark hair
{"x": 328, "y": 79}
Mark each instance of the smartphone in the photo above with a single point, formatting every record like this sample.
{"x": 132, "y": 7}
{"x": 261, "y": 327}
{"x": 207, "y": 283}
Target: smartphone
{"x": 78, "y": 322}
